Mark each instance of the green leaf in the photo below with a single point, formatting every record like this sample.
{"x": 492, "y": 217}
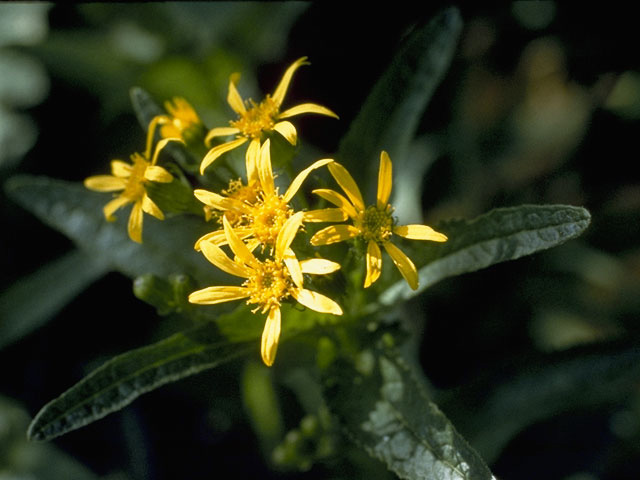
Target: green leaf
{"x": 62, "y": 280}
{"x": 385, "y": 411}
{"x": 77, "y": 212}
{"x": 125, "y": 377}
{"x": 144, "y": 106}
{"x": 389, "y": 117}
{"x": 497, "y": 236}
{"x": 539, "y": 388}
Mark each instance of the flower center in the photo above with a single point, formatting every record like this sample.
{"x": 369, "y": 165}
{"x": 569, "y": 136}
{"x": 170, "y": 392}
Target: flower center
{"x": 135, "y": 184}
{"x": 258, "y": 118}
{"x": 248, "y": 194}
{"x": 268, "y": 285}
{"x": 183, "y": 121}
{"x": 375, "y": 223}
{"x": 268, "y": 217}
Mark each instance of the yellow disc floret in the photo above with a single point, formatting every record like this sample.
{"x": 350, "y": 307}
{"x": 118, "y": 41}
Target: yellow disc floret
{"x": 269, "y": 285}
{"x": 134, "y": 189}
{"x": 375, "y": 224}
{"x": 259, "y": 117}
{"x": 268, "y": 217}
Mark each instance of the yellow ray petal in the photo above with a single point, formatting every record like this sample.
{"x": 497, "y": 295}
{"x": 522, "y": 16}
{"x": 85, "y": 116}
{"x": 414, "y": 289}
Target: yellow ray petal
{"x": 283, "y": 86}
{"x": 348, "y": 184}
{"x": 301, "y": 177}
{"x": 114, "y": 205}
{"x": 157, "y": 174}
{"x": 220, "y": 259}
{"x": 404, "y": 264}
{"x": 233, "y": 97}
{"x": 220, "y": 132}
{"x": 213, "y": 295}
{"x": 238, "y": 246}
{"x": 120, "y": 169}
{"x": 385, "y": 180}
{"x": 218, "y": 150}
{"x": 325, "y": 215}
{"x": 218, "y": 238}
{"x": 151, "y": 208}
{"x": 160, "y": 146}
{"x": 105, "y": 183}
{"x": 419, "y": 232}
{"x": 155, "y": 121}
{"x": 251, "y": 161}
{"x": 287, "y": 130}
{"x": 294, "y": 267}
{"x": 374, "y": 264}
{"x": 334, "y": 234}
{"x": 264, "y": 168}
{"x": 270, "y": 336}
{"x": 306, "y": 108}
{"x": 135, "y": 222}
{"x": 316, "y": 301}
{"x": 218, "y": 201}
{"x": 287, "y": 234}
{"x": 319, "y": 266}
{"x": 338, "y": 200}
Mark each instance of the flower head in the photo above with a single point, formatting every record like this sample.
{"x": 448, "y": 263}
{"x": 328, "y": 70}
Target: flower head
{"x": 181, "y": 122}
{"x": 374, "y": 223}
{"x": 256, "y": 119}
{"x": 268, "y": 282}
{"x": 132, "y": 179}
{"x": 257, "y": 210}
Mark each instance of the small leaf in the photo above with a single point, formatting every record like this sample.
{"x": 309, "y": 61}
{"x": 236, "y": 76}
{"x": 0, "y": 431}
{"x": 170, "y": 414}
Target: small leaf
{"x": 125, "y": 377}
{"x": 62, "y": 280}
{"x": 167, "y": 246}
{"x": 385, "y": 411}
{"x": 497, "y": 236}
{"x": 144, "y": 106}
{"x": 389, "y": 117}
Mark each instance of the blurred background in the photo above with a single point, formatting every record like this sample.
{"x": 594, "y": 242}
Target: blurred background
{"x": 541, "y": 105}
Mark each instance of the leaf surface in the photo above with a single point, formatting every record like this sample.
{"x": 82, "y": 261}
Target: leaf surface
{"x": 385, "y": 411}
{"x": 390, "y": 115}
{"x": 497, "y": 236}
{"x": 125, "y": 377}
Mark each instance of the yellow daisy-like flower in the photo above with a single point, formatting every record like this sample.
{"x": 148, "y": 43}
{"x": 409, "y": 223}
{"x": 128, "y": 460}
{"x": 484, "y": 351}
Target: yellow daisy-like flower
{"x": 268, "y": 282}
{"x": 257, "y": 211}
{"x": 132, "y": 180}
{"x": 373, "y": 223}
{"x": 181, "y": 122}
{"x": 255, "y": 119}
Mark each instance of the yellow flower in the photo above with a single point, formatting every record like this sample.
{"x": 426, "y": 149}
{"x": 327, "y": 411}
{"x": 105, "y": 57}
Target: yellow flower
{"x": 268, "y": 282}
{"x": 182, "y": 121}
{"x": 132, "y": 180}
{"x": 257, "y": 211}
{"x": 373, "y": 223}
{"x": 255, "y": 119}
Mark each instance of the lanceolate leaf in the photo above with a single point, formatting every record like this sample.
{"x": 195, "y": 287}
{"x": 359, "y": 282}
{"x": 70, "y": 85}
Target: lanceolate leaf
{"x": 497, "y": 236}
{"x": 392, "y": 111}
{"x": 167, "y": 246}
{"x": 62, "y": 280}
{"x": 535, "y": 389}
{"x": 125, "y": 377}
{"x": 387, "y": 412}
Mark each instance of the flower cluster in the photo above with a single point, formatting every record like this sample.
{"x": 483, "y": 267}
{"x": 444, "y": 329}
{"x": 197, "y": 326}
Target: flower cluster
{"x": 256, "y": 224}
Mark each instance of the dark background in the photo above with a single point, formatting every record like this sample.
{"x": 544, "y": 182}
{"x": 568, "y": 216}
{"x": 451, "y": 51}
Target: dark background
{"x": 197, "y": 428}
